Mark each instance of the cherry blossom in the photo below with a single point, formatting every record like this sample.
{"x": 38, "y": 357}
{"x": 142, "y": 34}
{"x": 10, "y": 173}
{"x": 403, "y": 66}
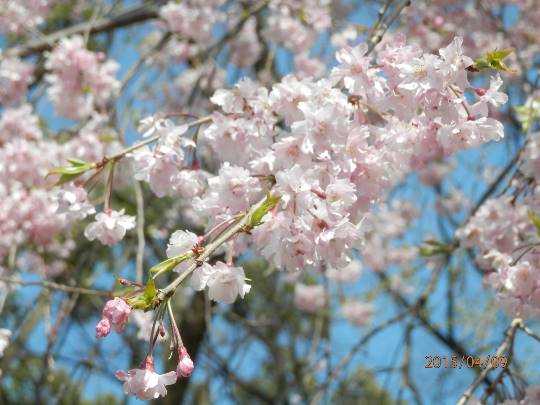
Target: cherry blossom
{"x": 328, "y": 146}
{"x": 19, "y": 16}
{"x": 309, "y": 298}
{"x": 145, "y": 383}
{"x": 181, "y": 242}
{"x": 5, "y": 334}
{"x": 225, "y": 283}
{"x": 15, "y": 77}
{"x": 73, "y": 202}
{"x": 357, "y": 312}
{"x": 79, "y": 80}
{"x": 182, "y": 17}
{"x": 109, "y": 227}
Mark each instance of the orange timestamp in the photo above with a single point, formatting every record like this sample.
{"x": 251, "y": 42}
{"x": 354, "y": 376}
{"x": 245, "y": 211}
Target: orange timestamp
{"x": 466, "y": 361}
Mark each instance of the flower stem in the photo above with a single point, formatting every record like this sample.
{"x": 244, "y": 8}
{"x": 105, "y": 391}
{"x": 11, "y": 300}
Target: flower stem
{"x": 209, "y": 249}
{"x": 121, "y": 154}
{"x": 108, "y": 189}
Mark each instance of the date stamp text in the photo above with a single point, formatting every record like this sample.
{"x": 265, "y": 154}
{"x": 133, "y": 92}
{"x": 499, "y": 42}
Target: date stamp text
{"x": 483, "y": 362}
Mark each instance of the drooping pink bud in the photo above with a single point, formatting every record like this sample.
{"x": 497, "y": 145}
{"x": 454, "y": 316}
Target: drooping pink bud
{"x": 103, "y": 328}
{"x": 115, "y": 313}
{"x": 185, "y": 364}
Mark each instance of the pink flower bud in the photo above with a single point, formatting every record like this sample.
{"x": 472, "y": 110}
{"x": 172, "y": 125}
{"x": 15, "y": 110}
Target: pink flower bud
{"x": 438, "y": 22}
{"x": 480, "y": 91}
{"x": 116, "y": 313}
{"x": 161, "y": 330}
{"x": 185, "y": 364}
{"x": 103, "y": 328}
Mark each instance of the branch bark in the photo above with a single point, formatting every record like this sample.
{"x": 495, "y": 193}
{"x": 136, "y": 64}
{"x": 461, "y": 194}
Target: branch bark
{"x": 125, "y": 18}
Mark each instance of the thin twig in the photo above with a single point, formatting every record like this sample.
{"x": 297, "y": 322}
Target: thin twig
{"x": 208, "y": 250}
{"x": 55, "y": 286}
{"x": 507, "y": 343}
{"x": 342, "y": 365}
{"x": 139, "y": 267}
{"x": 380, "y": 29}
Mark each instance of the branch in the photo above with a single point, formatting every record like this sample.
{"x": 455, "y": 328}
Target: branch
{"x": 347, "y": 358}
{"x": 382, "y": 26}
{"x": 128, "y": 17}
{"x": 416, "y": 310}
{"x": 139, "y": 261}
{"x": 55, "y": 286}
{"x": 507, "y": 342}
{"x": 208, "y": 250}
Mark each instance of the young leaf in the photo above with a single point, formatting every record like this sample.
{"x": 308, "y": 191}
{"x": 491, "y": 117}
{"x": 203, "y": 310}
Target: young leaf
{"x": 124, "y": 291}
{"x": 78, "y": 162}
{"x": 67, "y": 174}
{"x": 434, "y": 248}
{"x": 268, "y": 204}
{"x": 148, "y": 299}
{"x": 494, "y": 60}
{"x": 535, "y": 220}
{"x": 169, "y": 264}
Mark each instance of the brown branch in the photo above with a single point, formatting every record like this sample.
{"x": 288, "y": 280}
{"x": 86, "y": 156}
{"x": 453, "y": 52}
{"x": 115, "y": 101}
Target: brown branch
{"x": 382, "y": 25}
{"x": 504, "y": 346}
{"x": 55, "y": 286}
{"x": 417, "y": 311}
{"x": 125, "y": 18}
{"x": 348, "y": 358}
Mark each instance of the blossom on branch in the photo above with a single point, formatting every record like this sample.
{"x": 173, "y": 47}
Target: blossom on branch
{"x": 144, "y": 382}
{"x": 109, "y": 227}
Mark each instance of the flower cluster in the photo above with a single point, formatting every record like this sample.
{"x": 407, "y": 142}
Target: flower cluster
{"x": 182, "y": 17}
{"x": 166, "y": 166}
{"x": 15, "y": 77}
{"x": 19, "y": 16}
{"x": 32, "y": 213}
{"x": 506, "y": 239}
{"x": 330, "y": 154}
{"x": 80, "y": 81}
{"x": 434, "y": 22}
{"x": 504, "y": 234}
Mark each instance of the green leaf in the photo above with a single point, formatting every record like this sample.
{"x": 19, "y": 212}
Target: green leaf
{"x": 67, "y": 174}
{"x": 535, "y": 220}
{"x": 123, "y": 292}
{"x": 434, "y": 248}
{"x": 268, "y": 204}
{"x": 77, "y": 162}
{"x": 494, "y": 60}
{"x": 148, "y": 299}
{"x": 66, "y": 178}
{"x": 169, "y": 264}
